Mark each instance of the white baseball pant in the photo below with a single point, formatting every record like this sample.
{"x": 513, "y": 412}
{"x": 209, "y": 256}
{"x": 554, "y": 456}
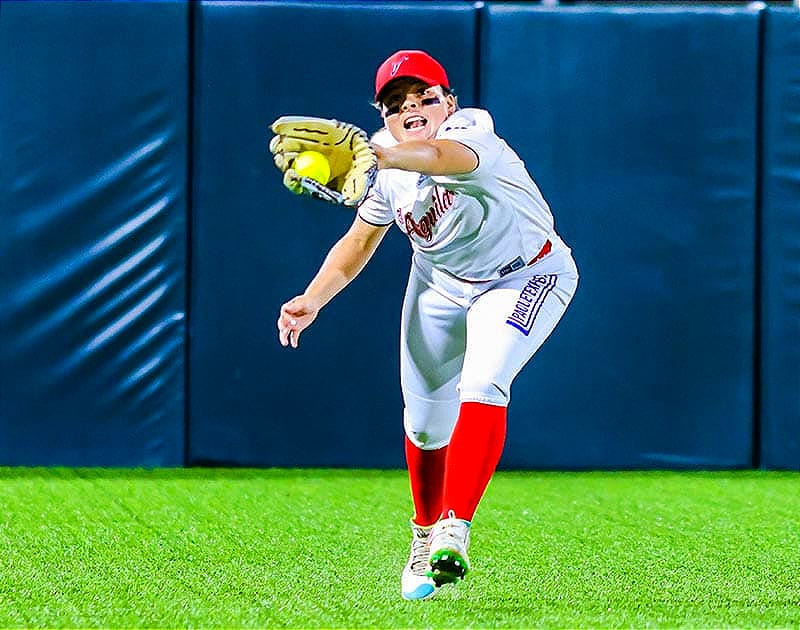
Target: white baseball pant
{"x": 467, "y": 341}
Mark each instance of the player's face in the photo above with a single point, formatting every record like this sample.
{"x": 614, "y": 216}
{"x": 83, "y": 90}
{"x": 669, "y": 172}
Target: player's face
{"x": 413, "y": 110}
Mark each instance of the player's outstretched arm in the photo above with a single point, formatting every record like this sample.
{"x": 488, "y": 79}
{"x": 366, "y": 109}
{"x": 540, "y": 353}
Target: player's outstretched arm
{"x": 431, "y": 157}
{"x": 344, "y": 262}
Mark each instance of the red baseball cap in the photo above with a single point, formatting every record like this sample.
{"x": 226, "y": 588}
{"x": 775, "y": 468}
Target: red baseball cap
{"x": 410, "y": 63}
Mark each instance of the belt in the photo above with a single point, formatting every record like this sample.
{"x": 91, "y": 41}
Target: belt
{"x": 519, "y": 263}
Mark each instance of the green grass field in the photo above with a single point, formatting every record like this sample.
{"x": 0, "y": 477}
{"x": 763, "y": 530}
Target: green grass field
{"x": 319, "y": 548}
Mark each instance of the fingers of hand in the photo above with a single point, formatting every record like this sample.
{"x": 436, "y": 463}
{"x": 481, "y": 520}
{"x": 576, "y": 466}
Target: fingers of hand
{"x": 283, "y": 336}
{"x": 288, "y": 331}
{"x": 283, "y": 333}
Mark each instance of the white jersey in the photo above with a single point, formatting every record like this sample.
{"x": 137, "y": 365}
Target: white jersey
{"x": 475, "y": 226}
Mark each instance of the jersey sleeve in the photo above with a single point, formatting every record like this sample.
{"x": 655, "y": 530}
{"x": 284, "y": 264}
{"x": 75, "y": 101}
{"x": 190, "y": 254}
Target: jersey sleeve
{"x": 374, "y": 209}
{"x": 473, "y": 128}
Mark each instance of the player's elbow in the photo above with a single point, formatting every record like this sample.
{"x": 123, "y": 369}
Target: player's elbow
{"x": 453, "y": 158}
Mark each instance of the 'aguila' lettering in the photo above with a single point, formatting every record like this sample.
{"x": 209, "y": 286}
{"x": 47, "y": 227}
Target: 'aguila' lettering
{"x": 442, "y": 202}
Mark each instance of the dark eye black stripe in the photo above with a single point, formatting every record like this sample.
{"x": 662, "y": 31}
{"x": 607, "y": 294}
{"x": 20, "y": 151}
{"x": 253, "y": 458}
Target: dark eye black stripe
{"x": 394, "y": 108}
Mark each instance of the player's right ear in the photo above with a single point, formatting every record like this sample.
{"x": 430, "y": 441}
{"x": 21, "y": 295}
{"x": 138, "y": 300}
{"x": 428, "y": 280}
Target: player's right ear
{"x": 452, "y": 103}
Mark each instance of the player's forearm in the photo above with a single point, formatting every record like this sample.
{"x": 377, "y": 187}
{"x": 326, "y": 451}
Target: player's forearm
{"x": 431, "y": 157}
{"x": 344, "y": 262}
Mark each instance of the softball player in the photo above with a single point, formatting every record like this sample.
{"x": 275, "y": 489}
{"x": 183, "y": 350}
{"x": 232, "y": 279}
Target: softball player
{"x": 490, "y": 278}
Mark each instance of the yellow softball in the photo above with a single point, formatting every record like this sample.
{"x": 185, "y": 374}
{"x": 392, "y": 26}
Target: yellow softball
{"x": 313, "y": 165}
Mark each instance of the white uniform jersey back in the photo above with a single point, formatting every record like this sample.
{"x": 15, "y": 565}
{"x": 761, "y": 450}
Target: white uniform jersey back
{"x": 475, "y": 226}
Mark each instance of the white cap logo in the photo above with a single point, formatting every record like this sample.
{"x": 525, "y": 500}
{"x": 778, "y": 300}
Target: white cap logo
{"x": 396, "y": 65}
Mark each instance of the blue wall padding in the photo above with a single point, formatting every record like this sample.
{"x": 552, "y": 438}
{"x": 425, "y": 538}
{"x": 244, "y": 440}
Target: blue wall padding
{"x": 639, "y": 124}
{"x": 93, "y": 130}
{"x": 780, "y": 250}
{"x": 336, "y": 400}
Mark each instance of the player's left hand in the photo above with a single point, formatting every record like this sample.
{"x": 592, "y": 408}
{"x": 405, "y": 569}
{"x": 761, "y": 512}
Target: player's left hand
{"x": 352, "y": 159}
{"x": 296, "y": 315}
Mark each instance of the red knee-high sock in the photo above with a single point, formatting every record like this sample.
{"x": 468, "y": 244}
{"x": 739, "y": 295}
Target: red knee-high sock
{"x": 426, "y": 474}
{"x": 472, "y": 457}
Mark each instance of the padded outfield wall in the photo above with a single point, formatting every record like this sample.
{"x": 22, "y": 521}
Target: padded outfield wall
{"x": 93, "y": 167}
{"x": 147, "y": 243}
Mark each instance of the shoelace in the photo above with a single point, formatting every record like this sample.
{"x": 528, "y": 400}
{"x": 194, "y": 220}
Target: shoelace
{"x": 419, "y": 556}
{"x": 452, "y": 532}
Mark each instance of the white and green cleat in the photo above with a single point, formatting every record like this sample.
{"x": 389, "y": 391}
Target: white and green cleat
{"x": 416, "y": 582}
{"x": 449, "y": 542}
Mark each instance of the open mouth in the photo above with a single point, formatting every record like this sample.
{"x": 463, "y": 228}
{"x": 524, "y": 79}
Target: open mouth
{"x": 414, "y": 122}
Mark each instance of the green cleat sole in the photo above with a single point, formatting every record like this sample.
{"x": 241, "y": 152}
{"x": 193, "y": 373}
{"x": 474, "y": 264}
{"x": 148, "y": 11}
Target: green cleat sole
{"x": 447, "y": 567}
